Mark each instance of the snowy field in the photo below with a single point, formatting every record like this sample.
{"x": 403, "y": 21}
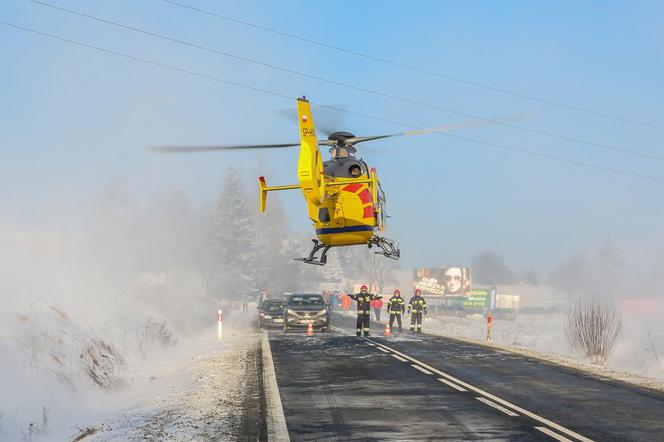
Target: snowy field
{"x": 638, "y": 351}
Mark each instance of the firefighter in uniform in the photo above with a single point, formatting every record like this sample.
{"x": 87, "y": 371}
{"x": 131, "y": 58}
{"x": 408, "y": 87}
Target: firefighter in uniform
{"x": 395, "y": 307}
{"x": 363, "y": 300}
{"x": 418, "y": 306}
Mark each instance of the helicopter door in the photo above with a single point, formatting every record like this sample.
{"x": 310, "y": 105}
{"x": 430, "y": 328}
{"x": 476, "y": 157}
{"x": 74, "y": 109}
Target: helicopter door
{"x": 339, "y": 218}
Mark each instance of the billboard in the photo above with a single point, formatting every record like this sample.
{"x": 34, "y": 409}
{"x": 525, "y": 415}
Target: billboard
{"x": 445, "y": 281}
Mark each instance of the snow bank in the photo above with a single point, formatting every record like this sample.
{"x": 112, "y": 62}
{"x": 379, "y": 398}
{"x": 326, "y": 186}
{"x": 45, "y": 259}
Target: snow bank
{"x": 62, "y": 372}
{"x": 201, "y": 399}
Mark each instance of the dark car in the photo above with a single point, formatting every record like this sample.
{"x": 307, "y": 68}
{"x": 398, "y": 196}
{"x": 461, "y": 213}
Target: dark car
{"x": 304, "y": 309}
{"x": 271, "y": 313}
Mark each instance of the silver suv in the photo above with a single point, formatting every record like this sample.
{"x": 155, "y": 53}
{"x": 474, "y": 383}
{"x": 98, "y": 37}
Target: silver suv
{"x": 304, "y": 309}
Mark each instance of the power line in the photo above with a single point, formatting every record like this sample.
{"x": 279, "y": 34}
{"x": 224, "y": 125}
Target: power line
{"x": 354, "y": 87}
{"x": 418, "y": 69}
{"x": 280, "y": 95}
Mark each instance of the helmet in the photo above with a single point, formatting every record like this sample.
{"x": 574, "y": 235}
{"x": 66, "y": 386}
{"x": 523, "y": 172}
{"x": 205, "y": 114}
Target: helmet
{"x": 418, "y": 291}
{"x": 397, "y": 292}
{"x": 364, "y": 288}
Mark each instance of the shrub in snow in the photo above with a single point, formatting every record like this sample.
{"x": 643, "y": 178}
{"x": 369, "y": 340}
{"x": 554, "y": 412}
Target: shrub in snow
{"x": 102, "y": 363}
{"x": 153, "y": 330}
{"x": 592, "y": 327}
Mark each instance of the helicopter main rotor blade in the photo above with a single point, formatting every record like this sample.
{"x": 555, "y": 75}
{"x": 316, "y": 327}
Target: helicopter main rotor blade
{"x": 198, "y": 149}
{"x": 440, "y": 129}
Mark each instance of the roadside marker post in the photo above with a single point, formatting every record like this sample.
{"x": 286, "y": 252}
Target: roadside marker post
{"x": 489, "y": 321}
{"x": 220, "y": 325}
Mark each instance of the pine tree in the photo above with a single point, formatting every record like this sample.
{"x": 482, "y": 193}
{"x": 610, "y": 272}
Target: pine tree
{"x": 233, "y": 240}
{"x": 277, "y": 272}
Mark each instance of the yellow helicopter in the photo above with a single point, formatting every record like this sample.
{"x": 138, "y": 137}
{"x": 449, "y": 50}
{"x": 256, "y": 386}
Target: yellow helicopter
{"x": 345, "y": 201}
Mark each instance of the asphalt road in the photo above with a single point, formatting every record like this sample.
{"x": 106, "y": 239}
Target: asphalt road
{"x": 335, "y": 386}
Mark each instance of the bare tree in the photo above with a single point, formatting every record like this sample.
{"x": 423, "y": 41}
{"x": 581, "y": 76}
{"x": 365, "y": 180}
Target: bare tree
{"x": 381, "y": 270}
{"x": 592, "y": 327}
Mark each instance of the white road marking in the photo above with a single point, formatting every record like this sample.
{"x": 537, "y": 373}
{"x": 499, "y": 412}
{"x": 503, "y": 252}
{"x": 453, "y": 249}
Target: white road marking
{"x": 553, "y": 434}
{"x": 399, "y": 358}
{"x": 445, "y": 381}
{"x": 489, "y": 395}
{"x": 496, "y": 406}
{"x": 373, "y": 345}
{"x": 383, "y": 350}
{"x": 276, "y": 421}
{"x": 423, "y": 370}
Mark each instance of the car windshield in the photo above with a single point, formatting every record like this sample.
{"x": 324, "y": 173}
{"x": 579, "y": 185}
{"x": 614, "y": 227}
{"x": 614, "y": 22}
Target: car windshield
{"x": 306, "y": 300}
{"x": 274, "y": 306}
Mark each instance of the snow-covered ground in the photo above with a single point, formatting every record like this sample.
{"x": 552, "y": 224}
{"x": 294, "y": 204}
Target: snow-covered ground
{"x": 638, "y": 351}
{"x": 64, "y": 373}
{"x": 205, "y": 398}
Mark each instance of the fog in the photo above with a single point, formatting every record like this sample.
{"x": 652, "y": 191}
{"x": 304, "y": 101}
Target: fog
{"x": 113, "y": 261}
{"x": 92, "y": 306}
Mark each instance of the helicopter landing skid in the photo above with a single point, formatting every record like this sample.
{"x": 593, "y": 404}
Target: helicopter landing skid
{"x": 387, "y": 246}
{"x": 312, "y": 259}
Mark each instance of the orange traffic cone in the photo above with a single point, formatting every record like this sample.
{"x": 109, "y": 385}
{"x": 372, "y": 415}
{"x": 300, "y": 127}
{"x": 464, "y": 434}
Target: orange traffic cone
{"x": 310, "y": 330}
{"x": 388, "y": 330}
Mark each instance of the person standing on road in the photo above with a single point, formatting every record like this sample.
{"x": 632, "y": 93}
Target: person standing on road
{"x": 419, "y": 307}
{"x": 363, "y": 300}
{"x": 345, "y": 303}
{"x": 334, "y": 298}
{"x": 396, "y": 305}
{"x": 245, "y": 303}
{"x": 377, "y": 305}
{"x": 261, "y": 298}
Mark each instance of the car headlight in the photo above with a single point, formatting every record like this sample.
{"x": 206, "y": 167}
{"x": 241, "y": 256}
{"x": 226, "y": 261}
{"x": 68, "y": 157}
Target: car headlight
{"x": 262, "y": 315}
{"x": 322, "y": 312}
{"x": 290, "y": 312}
{"x": 267, "y": 317}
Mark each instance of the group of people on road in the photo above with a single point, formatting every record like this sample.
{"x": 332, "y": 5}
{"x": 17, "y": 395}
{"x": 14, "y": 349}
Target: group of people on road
{"x": 396, "y": 307}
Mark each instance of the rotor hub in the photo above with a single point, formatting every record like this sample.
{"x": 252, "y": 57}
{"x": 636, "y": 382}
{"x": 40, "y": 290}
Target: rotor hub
{"x": 340, "y": 137}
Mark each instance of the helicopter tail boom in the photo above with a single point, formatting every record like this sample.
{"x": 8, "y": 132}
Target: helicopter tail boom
{"x": 265, "y": 189}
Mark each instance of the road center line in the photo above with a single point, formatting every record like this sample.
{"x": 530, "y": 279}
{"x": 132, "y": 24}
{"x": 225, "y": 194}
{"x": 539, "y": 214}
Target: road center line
{"x": 553, "y": 434}
{"x": 488, "y": 395}
{"x": 445, "y": 381}
{"x": 423, "y": 370}
{"x": 496, "y": 406}
{"x": 383, "y": 350}
{"x": 399, "y": 358}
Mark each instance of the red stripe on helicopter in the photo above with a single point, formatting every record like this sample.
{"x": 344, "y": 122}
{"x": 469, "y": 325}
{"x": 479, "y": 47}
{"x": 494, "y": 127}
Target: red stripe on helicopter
{"x": 368, "y": 212}
{"x": 352, "y": 187}
{"x": 365, "y": 196}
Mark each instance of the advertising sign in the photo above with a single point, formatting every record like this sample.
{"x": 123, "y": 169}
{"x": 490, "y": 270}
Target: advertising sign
{"x": 441, "y": 282}
{"x": 477, "y": 298}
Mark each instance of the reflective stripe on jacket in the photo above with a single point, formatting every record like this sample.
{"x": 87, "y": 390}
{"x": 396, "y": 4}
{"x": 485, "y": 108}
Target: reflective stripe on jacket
{"x": 396, "y": 305}
{"x": 364, "y": 301}
{"x": 417, "y": 304}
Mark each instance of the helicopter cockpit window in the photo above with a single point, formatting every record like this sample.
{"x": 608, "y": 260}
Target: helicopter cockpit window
{"x": 355, "y": 170}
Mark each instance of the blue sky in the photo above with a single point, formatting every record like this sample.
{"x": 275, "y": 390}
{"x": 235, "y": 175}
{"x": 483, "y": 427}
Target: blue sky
{"x": 75, "y": 119}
